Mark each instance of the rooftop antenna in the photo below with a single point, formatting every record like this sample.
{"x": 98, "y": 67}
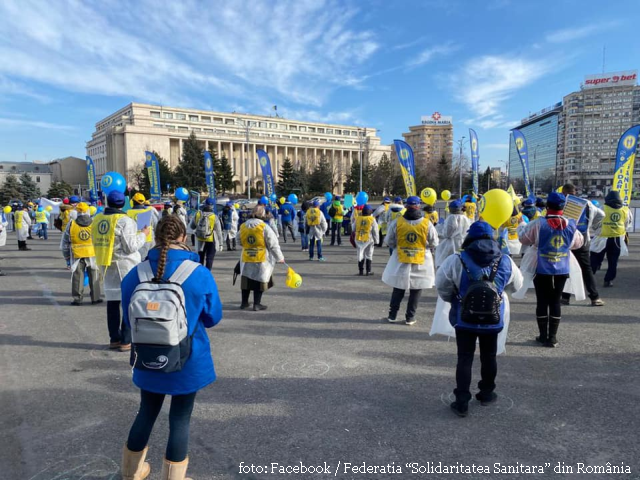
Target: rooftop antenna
{"x": 604, "y": 56}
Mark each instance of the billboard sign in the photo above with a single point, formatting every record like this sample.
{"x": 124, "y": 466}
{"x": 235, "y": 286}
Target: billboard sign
{"x": 615, "y": 79}
{"x": 437, "y": 119}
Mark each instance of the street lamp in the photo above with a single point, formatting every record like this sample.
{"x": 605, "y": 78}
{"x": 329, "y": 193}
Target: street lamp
{"x": 247, "y": 163}
{"x": 506, "y": 169}
{"x": 460, "y": 142}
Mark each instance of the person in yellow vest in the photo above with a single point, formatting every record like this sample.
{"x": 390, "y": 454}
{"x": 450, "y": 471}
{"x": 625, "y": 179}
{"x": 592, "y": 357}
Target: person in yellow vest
{"x": 470, "y": 208}
{"x": 336, "y": 212}
{"x": 610, "y": 241}
{"x": 42, "y": 220}
{"x": 410, "y": 266}
{"x": 23, "y": 226}
{"x": 260, "y": 252}
{"x": 511, "y": 226}
{"x": 208, "y": 228}
{"x": 380, "y": 215}
{"x": 140, "y": 207}
{"x": 366, "y": 236}
{"x": 68, "y": 211}
{"x": 78, "y": 251}
{"x": 317, "y": 226}
{"x": 117, "y": 242}
{"x": 431, "y": 214}
{"x": 4, "y": 223}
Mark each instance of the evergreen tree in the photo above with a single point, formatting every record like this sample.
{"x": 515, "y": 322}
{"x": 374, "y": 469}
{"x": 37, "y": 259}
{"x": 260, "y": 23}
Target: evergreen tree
{"x": 444, "y": 176}
{"x": 381, "y": 176}
{"x": 166, "y": 174}
{"x": 287, "y": 178}
{"x": 11, "y": 189}
{"x": 60, "y": 190}
{"x": 190, "y": 171}
{"x": 322, "y": 177}
{"x": 30, "y": 189}
{"x": 224, "y": 175}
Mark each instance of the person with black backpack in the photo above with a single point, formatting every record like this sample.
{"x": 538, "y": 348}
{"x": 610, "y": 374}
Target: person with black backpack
{"x": 168, "y": 301}
{"x": 473, "y": 282}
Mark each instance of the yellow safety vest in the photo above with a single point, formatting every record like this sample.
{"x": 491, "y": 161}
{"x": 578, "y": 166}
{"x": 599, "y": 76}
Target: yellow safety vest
{"x": 81, "y": 241}
{"x": 615, "y": 219}
{"x": 212, "y": 223}
{"x": 339, "y": 214}
{"x": 313, "y": 216}
{"x": 512, "y": 226}
{"x": 363, "y": 228}
{"x": 19, "y": 217}
{"x": 103, "y": 230}
{"x": 470, "y": 210}
{"x": 396, "y": 215}
{"x": 254, "y": 247}
{"x": 133, "y": 214}
{"x": 41, "y": 217}
{"x": 412, "y": 241}
{"x": 433, "y": 217}
{"x": 65, "y": 217}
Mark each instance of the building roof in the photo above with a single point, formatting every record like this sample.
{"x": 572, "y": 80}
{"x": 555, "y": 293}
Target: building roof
{"x": 60, "y": 160}
{"x": 24, "y": 167}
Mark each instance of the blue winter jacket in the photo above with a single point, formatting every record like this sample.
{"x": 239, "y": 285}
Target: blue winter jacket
{"x": 204, "y": 310}
{"x": 287, "y": 213}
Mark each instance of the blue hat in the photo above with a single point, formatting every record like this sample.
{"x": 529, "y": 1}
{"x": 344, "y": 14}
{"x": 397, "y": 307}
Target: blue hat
{"x": 386, "y": 199}
{"x": 528, "y": 202}
{"x": 456, "y": 205}
{"x": 209, "y": 201}
{"x": 367, "y": 210}
{"x": 168, "y": 204}
{"x": 541, "y": 202}
{"x": 479, "y": 230}
{"x": 115, "y": 199}
{"x": 397, "y": 200}
{"x": 74, "y": 199}
{"x": 316, "y": 203}
{"x": 337, "y": 198}
{"x": 413, "y": 200}
{"x": 229, "y": 204}
{"x": 556, "y": 201}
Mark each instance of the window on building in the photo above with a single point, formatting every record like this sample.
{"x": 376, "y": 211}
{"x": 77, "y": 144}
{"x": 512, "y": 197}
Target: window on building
{"x": 159, "y": 125}
{"x": 320, "y": 130}
{"x": 194, "y": 118}
{"x": 303, "y": 128}
{"x": 229, "y": 121}
{"x": 330, "y": 131}
{"x": 273, "y": 125}
{"x": 38, "y": 179}
{"x": 293, "y": 127}
{"x": 312, "y": 129}
{"x": 181, "y": 116}
{"x": 168, "y": 115}
{"x": 155, "y": 114}
{"x": 217, "y": 120}
{"x": 182, "y": 128}
{"x": 205, "y": 119}
{"x": 208, "y": 130}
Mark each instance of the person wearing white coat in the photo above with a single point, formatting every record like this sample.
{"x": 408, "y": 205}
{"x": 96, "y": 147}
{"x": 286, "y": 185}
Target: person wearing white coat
{"x": 230, "y": 217}
{"x": 410, "y": 266}
{"x": 4, "y": 223}
{"x": 117, "y": 243}
{"x": 316, "y": 227}
{"x": 452, "y": 233}
{"x": 23, "y": 226}
{"x": 366, "y": 238}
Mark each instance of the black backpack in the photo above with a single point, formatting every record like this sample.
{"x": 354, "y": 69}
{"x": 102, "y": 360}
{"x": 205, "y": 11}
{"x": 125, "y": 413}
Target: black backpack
{"x": 480, "y": 305}
{"x": 332, "y": 211}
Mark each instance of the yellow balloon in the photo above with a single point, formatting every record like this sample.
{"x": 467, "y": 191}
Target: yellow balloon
{"x": 48, "y": 208}
{"x": 282, "y": 200}
{"x": 236, "y": 206}
{"x": 445, "y": 195}
{"x": 559, "y": 189}
{"x": 293, "y": 279}
{"x": 7, "y": 209}
{"x": 429, "y": 196}
{"x": 495, "y": 207}
{"x": 92, "y": 210}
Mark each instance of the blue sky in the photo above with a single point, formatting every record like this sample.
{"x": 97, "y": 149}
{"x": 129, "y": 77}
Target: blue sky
{"x": 488, "y": 63}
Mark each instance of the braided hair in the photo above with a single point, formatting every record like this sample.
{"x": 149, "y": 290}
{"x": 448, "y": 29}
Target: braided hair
{"x": 168, "y": 231}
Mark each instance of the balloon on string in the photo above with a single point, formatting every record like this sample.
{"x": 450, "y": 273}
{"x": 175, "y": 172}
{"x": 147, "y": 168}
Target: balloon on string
{"x": 428, "y": 196}
{"x": 445, "y": 195}
{"x": 328, "y": 196}
{"x": 293, "y": 280}
{"x": 182, "y": 194}
{"x": 48, "y": 208}
{"x": 113, "y": 182}
{"x": 7, "y": 209}
{"x": 283, "y": 200}
{"x": 100, "y": 209}
{"x": 362, "y": 198}
{"x": 293, "y": 198}
{"x": 273, "y": 197}
{"x": 264, "y": 200}
{"x": 92, "y": 210}
{"x": 495, "y": 207}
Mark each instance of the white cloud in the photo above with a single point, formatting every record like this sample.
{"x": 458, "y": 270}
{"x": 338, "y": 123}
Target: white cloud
{"x": 570, "y": 34}
{"x": 14, "y": 122}
{"x": 427, "y": 54}
{"x": 175, "y": 52}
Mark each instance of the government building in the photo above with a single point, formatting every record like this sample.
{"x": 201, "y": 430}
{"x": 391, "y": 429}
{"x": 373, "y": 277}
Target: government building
{"x": 120, "y": 140}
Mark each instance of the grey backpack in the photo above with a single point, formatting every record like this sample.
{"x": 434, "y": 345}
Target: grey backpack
{"x": 204, "y": 228}
{"x": 158, "y": 319}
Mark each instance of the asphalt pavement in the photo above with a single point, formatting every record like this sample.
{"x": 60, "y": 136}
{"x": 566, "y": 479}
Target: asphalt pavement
{"x": 319, "y": 379}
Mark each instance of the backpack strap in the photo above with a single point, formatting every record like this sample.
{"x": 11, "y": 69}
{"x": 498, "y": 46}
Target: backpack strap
{"x": 183, "y": 272}
{"x": 494, "y": 269}
{"x": 145, "y": 274}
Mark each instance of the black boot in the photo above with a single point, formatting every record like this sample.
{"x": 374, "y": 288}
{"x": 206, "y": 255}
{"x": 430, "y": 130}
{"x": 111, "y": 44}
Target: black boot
{"x": 461, "y": 405}
{"x": 257, "y": 299}
{"x": 361, "y": 267}
{"x": 543, "y": 325}
{"x": 233, "y": 244}
{"x": 554, "y": 323}
{"x": 245, "y": 299}
{"x": 369, "y": 272}
{"x": 228, "y": 245}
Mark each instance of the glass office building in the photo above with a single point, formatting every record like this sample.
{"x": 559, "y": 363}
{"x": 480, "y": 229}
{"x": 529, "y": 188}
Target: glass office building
{"x": 541, "y": 132}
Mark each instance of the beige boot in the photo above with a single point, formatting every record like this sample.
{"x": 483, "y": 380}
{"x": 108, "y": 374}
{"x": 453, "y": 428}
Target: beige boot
{"x": 133, "y": 465}
{"x": 175, "y": 470}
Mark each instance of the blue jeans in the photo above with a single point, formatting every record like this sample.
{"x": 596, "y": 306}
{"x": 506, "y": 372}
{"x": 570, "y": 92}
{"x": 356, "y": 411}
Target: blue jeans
{"x": 311, "y": 244}
{"x": 43, "y": 231}
{"x": 304, "y": 239}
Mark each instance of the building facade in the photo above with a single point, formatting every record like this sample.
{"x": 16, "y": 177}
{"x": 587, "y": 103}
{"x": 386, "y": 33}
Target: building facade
{"x": 72, "y": 170}
{"x": 119, "y": 141}
{"x": 40, "y": 173}
{"x": 430, "y": 140}
{"x": 541, "y": 130}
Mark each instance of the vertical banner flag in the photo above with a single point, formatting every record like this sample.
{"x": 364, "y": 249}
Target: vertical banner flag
{"x": 91, "y": 177}
{"x": 475, "y": 158}
{"x": 267, "y": 174}
{"x": 210, "y": 178}
{"x": 153, "y": 172}
{"x": 625, "y": 158}
{"x": 407, "y": 166}
{"x": 523, "y": 153}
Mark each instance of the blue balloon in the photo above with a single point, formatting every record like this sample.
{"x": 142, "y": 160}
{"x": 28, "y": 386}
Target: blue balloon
{"x": 273, "y": 197}
{"x": 264, "y": 200}
{"x": 362, "y": 198}
{"x": 100, "y": 209}
{"x": 596, "y": 203}
{"x": 182, "y": 194}
{"x": 328, "y": 196}
{"x": 293, "y": 198}
{"x": 113, "y": 181}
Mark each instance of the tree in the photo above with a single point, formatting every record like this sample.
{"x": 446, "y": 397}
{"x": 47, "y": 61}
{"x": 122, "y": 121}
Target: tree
{"x": 11, "y": 189}
{"x": 60, "y": 190}
{"x": 287, "y": 178}
{"x": 30, "y": 189}
{"x": 322, "y": 178}
{"x": 224, "y": 174}
{"x": 139, "y": 176}
{"x": 484, "y": 180}
{"x": 443, "y": 177}
{"x": 190, "y": 171}
{"x": 382, "y": 176}
{"x": 352, "y": 182}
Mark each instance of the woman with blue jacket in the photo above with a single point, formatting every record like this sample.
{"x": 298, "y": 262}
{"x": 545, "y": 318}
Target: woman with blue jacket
{"x": 203, "y": 310}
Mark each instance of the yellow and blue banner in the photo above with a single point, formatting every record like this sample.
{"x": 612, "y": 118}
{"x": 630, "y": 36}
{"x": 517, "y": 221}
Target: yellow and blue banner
{"x": 210, "y": 177}
{"x": 91, "y": 177}
{"x": 475, "y": 158}
{"x": 267, "y": 174}
{"x": 407, "y": 166}
{"x": 625, "y": 159}
{"x": 523, "y": 153}
{"x": 153, "y": 172}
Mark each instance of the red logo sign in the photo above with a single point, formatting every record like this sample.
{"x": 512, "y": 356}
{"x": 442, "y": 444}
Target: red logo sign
{"x": 436, "y": 116}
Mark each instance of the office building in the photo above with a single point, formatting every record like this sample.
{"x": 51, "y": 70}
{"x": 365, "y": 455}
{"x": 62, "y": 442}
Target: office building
{"x": 40, "y": 173}
{"x": 120, "y": 140}
{"x": 430, "y": 140}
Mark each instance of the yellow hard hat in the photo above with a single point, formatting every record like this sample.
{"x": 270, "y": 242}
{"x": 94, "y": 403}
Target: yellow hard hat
{"x": 82, "y": 207}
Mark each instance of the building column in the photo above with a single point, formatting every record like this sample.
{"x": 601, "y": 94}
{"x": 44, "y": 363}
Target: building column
{"x": 206, "y": 145}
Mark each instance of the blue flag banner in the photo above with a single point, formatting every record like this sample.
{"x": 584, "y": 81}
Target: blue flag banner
{"x": 407, "y": 166}
{"x": 625, "y": 158}
{"x": 475, "y": 158}
{"x": 523, "y": 153}
{"x": 210, "y": 177}
{"x": 267, "y": 174}
{"x": 91, "y": 177}
{"x": 153, "y": 171}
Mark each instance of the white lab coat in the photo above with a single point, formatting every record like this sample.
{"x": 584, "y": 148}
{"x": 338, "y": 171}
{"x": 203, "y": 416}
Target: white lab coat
{"x": 364, "y": 250}
{"x": 317, "y": 232}
{"x": 261, "y": 272}
{"x": 23, "y": 233}
{"x": 4, "y": 223}
{"x": 451, "y": 234}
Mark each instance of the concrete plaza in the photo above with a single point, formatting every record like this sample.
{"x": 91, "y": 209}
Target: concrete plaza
{"x": 318, "y": 380}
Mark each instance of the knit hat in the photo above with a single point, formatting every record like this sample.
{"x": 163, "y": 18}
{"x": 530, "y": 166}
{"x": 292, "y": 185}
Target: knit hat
{"x": 613, "y": 199}
{"x": 556, "y": 201}
{"x": 413, "y": 200}
{"x": 115, "y": 199}
{"x": 139, "y": 198}
{"x": 479, "y": 230}
{"x": 82, "y": 208}
{"x": 367, "y": 210}
{"x": 541, "y": 202}
{"x": 209, "y": 201}
{"x": 528, "y": 202}
{"x": 74, "y": 199}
